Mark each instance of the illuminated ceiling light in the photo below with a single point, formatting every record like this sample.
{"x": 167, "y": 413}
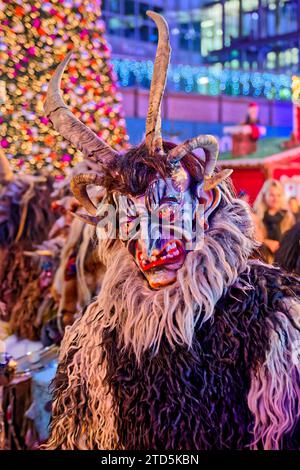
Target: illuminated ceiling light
{"x": 207, "y": 24}
{"x": 203, "y": 80}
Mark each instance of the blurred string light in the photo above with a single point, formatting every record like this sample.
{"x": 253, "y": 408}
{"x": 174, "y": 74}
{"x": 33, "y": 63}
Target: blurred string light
{"x": 34, "y": 37}
{"x": 207, "y": 80}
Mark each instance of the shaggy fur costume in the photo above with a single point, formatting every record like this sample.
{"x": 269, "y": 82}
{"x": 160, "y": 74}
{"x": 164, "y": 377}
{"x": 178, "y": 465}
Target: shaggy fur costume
{"x": 208, "y": 362}
{"x": 28, "y": 207}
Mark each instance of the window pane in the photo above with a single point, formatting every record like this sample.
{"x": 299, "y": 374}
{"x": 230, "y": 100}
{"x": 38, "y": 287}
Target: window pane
{"x": 129, "y": 28}
{"x": 144, "y": 33}
{"x": 231, "y": 20}
{"x": 114, "y": 6}
{"x": 129, "y": 7}
{"x": 250, "y": 5}
{"x": 153, "y": 37}
{"x": 143, "y": 8}
{"x": 211, "y": 30}
{"x": 114, "y": 26}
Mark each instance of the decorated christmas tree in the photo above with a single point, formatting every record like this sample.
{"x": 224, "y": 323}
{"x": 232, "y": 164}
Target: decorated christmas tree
{"x": 34, "y": 37}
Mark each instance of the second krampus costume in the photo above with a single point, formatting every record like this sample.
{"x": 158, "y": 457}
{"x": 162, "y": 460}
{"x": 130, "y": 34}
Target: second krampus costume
{"x": 25, "y": 219}
{"x": 188, "y": 345}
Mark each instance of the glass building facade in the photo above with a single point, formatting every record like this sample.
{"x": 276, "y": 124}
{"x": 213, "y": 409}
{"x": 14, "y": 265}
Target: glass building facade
{"x": 252, "y": 34}
{"x": 237, "y": 34}
{"x": 132, "y": 34}
{"x": 128, "y": 19}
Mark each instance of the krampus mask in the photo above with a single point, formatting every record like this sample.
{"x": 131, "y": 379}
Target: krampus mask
{"x": 188, "y": 345}
{"x": 159, "y": 191}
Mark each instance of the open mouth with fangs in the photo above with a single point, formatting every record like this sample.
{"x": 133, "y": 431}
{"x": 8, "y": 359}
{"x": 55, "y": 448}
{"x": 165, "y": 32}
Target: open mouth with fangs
{"x": 171, "y": 256}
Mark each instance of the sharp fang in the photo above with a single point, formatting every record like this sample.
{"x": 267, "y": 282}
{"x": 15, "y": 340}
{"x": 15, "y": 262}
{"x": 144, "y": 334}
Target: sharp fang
{"x": 153, "y": 258}
{"x": 164, "y": 257}
{"x": 176, "y": 253}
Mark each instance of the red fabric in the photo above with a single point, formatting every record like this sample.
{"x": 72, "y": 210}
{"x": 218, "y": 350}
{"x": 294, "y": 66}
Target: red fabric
{"x": 249, "y": 180}
{"x": 255, "y": 134}
{"x": 289, "y": 172}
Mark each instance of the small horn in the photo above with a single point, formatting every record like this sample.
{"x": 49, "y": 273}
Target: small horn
{"x": 153, "y": 123}
{"x": 78, "y": 188}
{"x": 39, "y": 253}
{"x": 6, "y": 173}
{"x": 212, "y": 181}
{"x": 73, "y": 130}
{"x": 88, "y": 219}
{"x": 207, "y": 142}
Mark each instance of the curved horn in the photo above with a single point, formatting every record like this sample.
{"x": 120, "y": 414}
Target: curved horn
{"x": 78, "y": 188}
{"x": 158, "y": 83}
{"x": 207, "y": 142}
{"x": 6, "y": 173}
{"x": 213, "y": 181}
{"x": 73, "y": 130}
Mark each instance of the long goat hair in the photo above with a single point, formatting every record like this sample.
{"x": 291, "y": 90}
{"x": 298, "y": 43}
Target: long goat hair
{"x": 205, "y": 363}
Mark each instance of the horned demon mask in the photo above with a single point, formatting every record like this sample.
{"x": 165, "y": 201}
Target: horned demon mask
{"x": 163, "y": 194}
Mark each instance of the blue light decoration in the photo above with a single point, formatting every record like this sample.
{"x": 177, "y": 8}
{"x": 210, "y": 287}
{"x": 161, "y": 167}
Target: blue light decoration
{"x": 207, "y": 80}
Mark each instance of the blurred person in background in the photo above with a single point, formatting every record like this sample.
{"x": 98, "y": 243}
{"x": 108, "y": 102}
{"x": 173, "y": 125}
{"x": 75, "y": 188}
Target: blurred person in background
{"x": 273, "y": 216}
{"x": 259, "y": 236}
{"x": 294, "y": 208}
{"x": 288, "y": 254}
{"x": 252, "y": 120}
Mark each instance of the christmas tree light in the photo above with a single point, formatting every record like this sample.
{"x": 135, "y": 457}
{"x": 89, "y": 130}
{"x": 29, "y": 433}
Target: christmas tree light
{"x": 34, "y": 37}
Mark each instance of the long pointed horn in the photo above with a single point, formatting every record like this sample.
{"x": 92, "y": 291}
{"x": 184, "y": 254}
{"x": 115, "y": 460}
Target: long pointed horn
{"x": 153, "y": 123}
{"x": 73, "y": 130}
{"x": 78, "y": 187}
{"x": 6, "y": 173}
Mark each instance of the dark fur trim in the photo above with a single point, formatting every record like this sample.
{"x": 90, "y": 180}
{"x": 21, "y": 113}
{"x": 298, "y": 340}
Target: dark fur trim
{"x": 197, "y": 399}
